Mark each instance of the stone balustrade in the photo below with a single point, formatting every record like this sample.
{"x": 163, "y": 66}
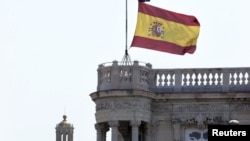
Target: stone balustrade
{"x": 137, "y": 76}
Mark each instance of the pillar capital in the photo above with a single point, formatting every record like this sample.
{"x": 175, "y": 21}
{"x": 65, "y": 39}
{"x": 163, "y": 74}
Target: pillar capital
{"x": 113, "y": 123}
{"x": 135, "y": 123}
{"x": 101, "y": 129}
{"x": 100, "y": 126}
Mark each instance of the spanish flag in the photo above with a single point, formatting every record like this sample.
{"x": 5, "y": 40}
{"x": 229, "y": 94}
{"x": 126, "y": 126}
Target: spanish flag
{"x": 167, "y": 31}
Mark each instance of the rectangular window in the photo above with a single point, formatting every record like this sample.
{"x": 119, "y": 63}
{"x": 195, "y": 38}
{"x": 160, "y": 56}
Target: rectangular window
{"x": 195, "y": 134}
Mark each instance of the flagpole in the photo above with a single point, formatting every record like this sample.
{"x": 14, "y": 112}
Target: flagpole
{"x": 126, "y": 27}
{"x": 126, "y": 58}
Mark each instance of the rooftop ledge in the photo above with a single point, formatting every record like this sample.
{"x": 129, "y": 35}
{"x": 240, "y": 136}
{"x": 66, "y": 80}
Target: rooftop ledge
{"x": 142, "y": 76}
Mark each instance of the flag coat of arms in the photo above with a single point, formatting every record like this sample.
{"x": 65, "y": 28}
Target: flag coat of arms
{"x": 167, "y": 31}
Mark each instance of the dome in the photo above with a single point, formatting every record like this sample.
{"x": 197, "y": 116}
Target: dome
{"x": 64, "y": 123}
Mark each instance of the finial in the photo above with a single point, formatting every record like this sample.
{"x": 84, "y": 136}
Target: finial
{"x": 64, "y": 117}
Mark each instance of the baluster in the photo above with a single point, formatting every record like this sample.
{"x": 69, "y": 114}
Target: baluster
{"x": 244, "y": 78}
{"x": 241, "y": 77}
{"x": 234, "y": 78}
{"x": 231, "y": 79}
{"x": 202, "y": 80}
{"x": 213, "y": 78}
{"x": 191, "y": 80}
{"x": 248, "y": 78}
{"x": 208, "y": 79}
{"x": 237, "y": 78}
{"x": 196, "y": 79}
{"x": 166, "y": 79}
{"x": 188, "y": 79}
{"x": 184, "y": 79}
{"x": 160, "y": 80}
{"x": 219, "y": 79}
{"x": 216, "y": 76}
{"x": 171, "y": 80}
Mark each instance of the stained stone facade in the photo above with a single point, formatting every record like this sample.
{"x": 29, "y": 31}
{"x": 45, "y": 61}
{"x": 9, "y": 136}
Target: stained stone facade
{"x": 138, "y": 103}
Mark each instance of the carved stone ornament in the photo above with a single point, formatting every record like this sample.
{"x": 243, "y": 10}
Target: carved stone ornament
{"x": 201, "y": 119}
{"x": 161, "y": 108}
{"x": 240, "y": 107}
{"x": 123, "y": 105}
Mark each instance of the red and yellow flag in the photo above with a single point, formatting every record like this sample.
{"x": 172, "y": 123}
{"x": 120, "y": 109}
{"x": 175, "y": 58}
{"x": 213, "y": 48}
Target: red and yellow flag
{"x": 167, "y": 31}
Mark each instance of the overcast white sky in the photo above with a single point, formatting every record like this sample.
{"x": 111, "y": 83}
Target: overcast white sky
{"x": 50, "y": 51}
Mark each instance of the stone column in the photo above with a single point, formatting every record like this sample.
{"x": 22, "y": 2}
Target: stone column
{"x": 177, "y": 134}
{"x": 104, "y": 133}
{"x": 114, "y": 130}
{"x": 124, "y": 130}
{"x": 120, "y": 137}
{"x": 58, "y": 136}
{"x": 135, "y": 129}
{"x": 70, "y": 138}
{"x": 99, "y": 128}
{"x": 64, "y": 137}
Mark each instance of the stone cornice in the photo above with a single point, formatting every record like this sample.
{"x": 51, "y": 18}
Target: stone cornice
{"x": 170, "y": 96}
{"x": 121, "y": 93}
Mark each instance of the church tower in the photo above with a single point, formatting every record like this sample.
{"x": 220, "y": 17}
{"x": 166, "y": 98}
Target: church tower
{"x": 64, "y": 130}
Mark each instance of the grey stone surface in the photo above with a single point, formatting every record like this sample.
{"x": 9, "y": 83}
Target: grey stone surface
{"x": 169, "y": 103}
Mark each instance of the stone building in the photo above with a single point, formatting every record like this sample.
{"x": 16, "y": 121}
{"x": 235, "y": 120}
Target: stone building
{"x": 139, "y": 103}
{"x": 64, "y": 130}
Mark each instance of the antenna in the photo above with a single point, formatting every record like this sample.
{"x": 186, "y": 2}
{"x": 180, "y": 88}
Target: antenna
{"x": 64, "y": 112}
{"x": 126, "y": 58}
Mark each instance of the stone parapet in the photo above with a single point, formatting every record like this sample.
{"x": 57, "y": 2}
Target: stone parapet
{"x": 144, "y": 77}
